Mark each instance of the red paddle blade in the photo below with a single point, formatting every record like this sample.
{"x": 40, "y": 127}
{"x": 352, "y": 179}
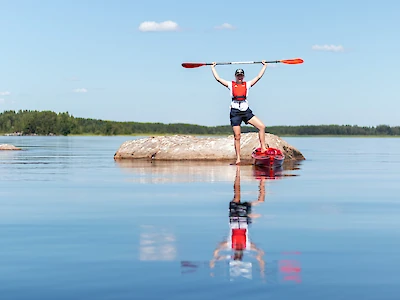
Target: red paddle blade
{"x": 193, "y": 65}
{"x": 292, "y": 61}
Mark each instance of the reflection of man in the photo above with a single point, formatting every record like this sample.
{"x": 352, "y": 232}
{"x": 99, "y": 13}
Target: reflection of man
{"x": 240, "y": 215}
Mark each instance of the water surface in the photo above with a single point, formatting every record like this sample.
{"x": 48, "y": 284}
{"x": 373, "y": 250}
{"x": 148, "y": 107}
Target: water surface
{"x": 75, "y": 224}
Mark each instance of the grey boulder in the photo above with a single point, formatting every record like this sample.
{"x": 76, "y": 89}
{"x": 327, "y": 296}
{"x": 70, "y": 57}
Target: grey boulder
{"x": 187, "y": 147}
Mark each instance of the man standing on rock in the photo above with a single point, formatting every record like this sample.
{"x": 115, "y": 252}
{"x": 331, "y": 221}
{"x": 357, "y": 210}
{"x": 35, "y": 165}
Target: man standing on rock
{"x": 239, "y": 109}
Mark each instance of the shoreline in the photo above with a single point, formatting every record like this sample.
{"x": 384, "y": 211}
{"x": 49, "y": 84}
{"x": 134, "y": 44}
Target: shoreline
{"x": 203, "y": 135}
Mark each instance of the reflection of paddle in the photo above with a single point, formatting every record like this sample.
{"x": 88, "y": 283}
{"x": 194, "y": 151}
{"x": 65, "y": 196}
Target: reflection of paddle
{"x": 294, "y": 61}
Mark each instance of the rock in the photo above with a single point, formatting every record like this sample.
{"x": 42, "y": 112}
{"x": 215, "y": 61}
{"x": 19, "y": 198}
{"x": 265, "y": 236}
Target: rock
{"x": 184, "y": 147}
{"x": 8, "y": 147}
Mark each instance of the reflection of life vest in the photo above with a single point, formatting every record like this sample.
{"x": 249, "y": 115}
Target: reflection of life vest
{"x": 239, "y": 91}
{"x": 239, "y": 239}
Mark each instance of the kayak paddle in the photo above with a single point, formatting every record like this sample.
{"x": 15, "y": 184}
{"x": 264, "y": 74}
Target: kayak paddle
{"x": 294, "y": 61}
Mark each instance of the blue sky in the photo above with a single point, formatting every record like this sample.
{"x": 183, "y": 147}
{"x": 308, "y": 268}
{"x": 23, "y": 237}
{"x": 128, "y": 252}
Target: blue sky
{"x": 92, "y": 59}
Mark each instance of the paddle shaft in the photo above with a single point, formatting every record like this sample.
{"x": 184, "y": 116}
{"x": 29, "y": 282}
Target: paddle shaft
{"x": 243, "y": 62}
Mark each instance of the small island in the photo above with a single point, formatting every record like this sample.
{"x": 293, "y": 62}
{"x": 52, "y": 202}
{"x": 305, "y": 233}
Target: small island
{"x": 8, "y": 147}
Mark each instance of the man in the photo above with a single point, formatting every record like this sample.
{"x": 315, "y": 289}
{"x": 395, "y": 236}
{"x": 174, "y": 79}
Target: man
{"x": 240, "y": 111}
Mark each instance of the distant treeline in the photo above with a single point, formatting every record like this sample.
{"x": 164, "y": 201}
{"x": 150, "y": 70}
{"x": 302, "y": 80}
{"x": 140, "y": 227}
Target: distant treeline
{"x": 29, "y": 122}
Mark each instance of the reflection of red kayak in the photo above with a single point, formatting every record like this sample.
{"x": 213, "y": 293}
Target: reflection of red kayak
{"x": 271, "y": 158}
{"x": 267, "y": 172}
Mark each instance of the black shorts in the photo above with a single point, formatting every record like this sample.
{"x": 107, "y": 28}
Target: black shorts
{"x": 238, "y": 116}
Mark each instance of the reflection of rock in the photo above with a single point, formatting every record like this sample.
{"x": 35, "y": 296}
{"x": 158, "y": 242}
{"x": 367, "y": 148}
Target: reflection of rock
{"x": 8, "y": 147}
{"x": 146, "y": 171}
{"x": 150, "y": 171}
{"x": 185, "y": 147}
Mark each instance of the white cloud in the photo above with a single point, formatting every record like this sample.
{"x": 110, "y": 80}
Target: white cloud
{"x": 162, "y": 26}
{"x": 5, "y": 93}
{"x": 81, "y": 90}
{"x": 332, "y": 48}
{"x": 225, "y": 26}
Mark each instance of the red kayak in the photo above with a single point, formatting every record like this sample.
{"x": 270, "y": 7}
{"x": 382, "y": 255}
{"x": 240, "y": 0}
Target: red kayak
{"x": 271, "y": 158}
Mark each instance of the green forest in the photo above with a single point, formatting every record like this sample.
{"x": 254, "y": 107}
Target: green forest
{"x": 28, "y": 122}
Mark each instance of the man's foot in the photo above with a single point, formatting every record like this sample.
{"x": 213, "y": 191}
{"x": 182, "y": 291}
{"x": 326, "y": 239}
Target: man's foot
{"x": 263, "y": 150}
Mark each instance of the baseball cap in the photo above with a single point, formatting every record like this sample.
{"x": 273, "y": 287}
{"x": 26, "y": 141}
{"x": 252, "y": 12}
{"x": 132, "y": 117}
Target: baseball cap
{"x": 239, "y": 72}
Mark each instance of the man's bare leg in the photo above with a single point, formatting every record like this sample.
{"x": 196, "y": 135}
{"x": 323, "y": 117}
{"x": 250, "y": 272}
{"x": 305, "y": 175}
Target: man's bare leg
{"x": 236, "y": 133}
{"x": 256, "y": 122}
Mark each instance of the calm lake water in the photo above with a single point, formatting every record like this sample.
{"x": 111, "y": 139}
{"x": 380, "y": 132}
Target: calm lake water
{"x": 74, "y": 224}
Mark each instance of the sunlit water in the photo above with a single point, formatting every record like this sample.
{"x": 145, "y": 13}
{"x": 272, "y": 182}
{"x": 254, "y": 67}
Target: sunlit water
{"x": 74, "y": 224}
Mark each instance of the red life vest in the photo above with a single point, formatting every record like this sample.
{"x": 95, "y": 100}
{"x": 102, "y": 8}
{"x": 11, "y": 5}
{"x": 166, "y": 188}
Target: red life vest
{"x": 238, "y": 239}
{"x": 239, "y": 91}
